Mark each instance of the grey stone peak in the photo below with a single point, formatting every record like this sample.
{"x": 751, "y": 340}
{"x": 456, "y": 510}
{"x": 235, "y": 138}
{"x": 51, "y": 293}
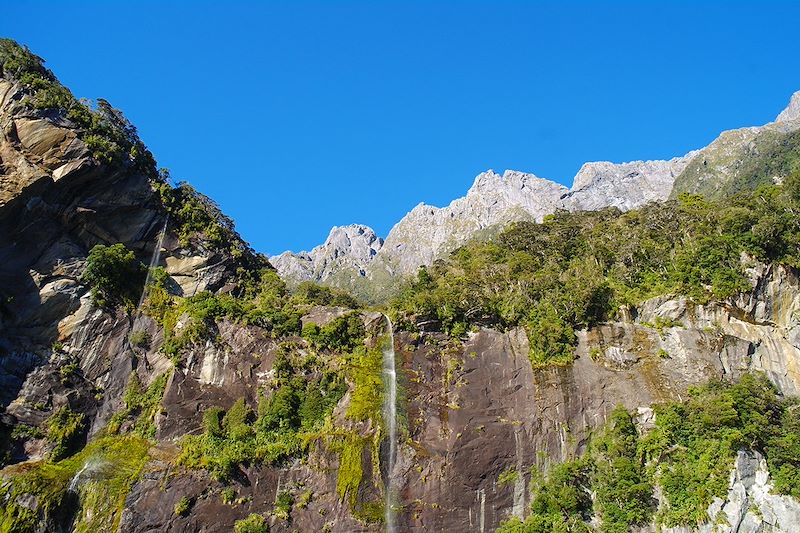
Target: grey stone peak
{"x": 427, "y": 232}
{"x": 349, "y": 248}
{"x": 624, "y": 185}
{"x": 792, "y": 111}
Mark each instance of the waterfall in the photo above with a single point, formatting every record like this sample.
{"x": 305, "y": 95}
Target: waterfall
{"x": 390, "y": 421}
{"x": 73, "y": 484}
{"x": 154, "y": 260}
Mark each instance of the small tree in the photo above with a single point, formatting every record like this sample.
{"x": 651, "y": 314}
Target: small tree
{"x": 115, "y": 276}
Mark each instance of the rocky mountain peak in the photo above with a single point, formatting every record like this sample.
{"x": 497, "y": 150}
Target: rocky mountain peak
{"x": 354, "y": 238}
{"x": 510, "y": 180}
{"x": 348, "y": 248}
{"x": 428, "y": 232}
{"x": 792, "y": 111}
{"x": 624, "y": 185}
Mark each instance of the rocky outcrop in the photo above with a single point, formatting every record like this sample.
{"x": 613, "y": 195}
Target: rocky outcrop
{"x": 750, "y": 506}
{"x": 792, "y": 111}
{"x": 737, "y": 158}
{"x": 428, "y": 232}
{"x": 624, "y": 186}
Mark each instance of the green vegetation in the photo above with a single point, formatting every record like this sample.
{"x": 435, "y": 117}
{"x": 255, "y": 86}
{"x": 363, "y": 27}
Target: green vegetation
{"x": 576, "y": 269}
{"x": 68, "y": 371}
{"x": 508, "y": 476}
{"x": 66, "y": 430}
{"x": 139, "y": 338}
{"x": 342, "y": 334}
{"x": 228, "y": 495}
{"x": 192, "y": 213}
{"x": 309, "y": 378}
{"x": 689, "y": 453}
{"x": 283, "y": 505}
{"x": 735, "y": 166}
{"x": 263, "y": 301}
{"x": 110, "y": 137}
{"x": 694, "y": 443}
{"x": 303, "y": 394}
{"x": 366, "y": 400}
{"x": 351, "y": 448}
{"x": 141, "y": 406}
{"x": 623, "y": 488}
{"x": 115, "y": 464}
{"x": 183, "y": 506}
{"x": 255, "y": 523}
{"x": 115, "y": 275}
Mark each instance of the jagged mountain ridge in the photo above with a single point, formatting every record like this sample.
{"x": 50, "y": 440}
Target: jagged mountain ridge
{"x": 427, "y": 232}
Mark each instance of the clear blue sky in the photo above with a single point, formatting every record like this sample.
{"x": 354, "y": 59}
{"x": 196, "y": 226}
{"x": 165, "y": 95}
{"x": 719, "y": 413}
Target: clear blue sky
{"x": 298, "y": 116}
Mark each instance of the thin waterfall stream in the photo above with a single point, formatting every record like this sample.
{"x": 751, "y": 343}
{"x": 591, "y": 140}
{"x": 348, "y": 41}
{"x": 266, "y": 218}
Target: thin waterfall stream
{"x": 390, "y": 422}
{"x": 154, "y": 260}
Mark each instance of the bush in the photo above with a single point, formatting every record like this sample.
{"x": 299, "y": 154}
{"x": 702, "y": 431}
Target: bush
{"x": 342, "y": 334}
{"x": 141, "y": 406}
{"x": 183, "y": 506}
{"x": 255, "y": 523}
{"x": 310, "y": 293}
{"x": 115, "y": 276}
{"x": 228, "y": 495}
{"x": 65, "y": 430}
{"x": 139, "y": 338}
{"x": 283, "y": 505}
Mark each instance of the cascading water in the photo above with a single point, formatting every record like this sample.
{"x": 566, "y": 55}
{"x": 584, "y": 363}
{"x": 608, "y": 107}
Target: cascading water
{"x": 154, "y": 260}
{"x": 76, "y": 479}
{"x": 390, "y": 421}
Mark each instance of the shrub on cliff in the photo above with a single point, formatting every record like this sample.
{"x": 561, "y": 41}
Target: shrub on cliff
{"x": 689, "y": 455}
{"x": 65, "y": 430}
{"x": 254, "y": 523}
{"x": 115, "y": 276}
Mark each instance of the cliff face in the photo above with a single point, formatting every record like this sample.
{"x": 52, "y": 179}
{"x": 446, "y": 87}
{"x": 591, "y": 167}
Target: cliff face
{"x": 476, "y": 409}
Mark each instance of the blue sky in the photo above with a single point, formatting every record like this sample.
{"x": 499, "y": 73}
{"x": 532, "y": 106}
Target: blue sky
{"x": 297, "y": 116}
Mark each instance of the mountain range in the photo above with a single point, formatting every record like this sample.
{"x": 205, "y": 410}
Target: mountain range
{"x": 355, "y": 257}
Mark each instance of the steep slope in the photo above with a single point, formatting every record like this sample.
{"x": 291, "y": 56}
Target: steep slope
{"x": 740, "y": 160}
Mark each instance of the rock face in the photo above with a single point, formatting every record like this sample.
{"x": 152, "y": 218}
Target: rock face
{"x": 427, "y": 232}
{"x": 475, "y": 409}
{"x": 347, "y": 249}
{"x": 56, "y": 202}
{"x": 732, "y": 161}
{"x": 626, "y": 185}
{"x": 792, "y": 111}
{"x": 749, "y": 506}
